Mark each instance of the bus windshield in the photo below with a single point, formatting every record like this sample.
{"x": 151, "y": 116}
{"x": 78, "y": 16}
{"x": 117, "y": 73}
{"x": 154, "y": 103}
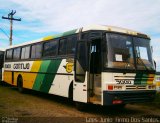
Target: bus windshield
{"x": 121, "y": 50}
{"x": 143, "y": 54}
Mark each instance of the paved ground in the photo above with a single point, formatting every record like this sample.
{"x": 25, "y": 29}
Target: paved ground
{"x": 38, "y": 107}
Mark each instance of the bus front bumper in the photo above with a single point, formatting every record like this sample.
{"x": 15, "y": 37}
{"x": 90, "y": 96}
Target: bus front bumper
{"x": 126, "y": 97}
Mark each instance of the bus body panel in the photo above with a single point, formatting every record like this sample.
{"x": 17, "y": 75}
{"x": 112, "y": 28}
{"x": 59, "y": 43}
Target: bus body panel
{"x": 61, "y": 83}
{"x": 127, "y": 88}
{"x": 49, "y": 76}
{"x": 80, "y": 90}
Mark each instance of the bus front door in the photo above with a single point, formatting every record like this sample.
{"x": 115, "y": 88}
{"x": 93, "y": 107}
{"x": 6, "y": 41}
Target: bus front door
{"x": 95, "y": 72}
{"x": 87, "y": 76}
{"x": 80, "y": 73}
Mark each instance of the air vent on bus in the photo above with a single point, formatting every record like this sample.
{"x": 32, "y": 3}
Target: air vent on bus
{"x": 134, "y": 87}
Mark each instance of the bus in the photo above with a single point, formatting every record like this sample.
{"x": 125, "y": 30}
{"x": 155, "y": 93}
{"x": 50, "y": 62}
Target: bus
{"x": 98, "y": 64}
{"x": 1, "y": 62}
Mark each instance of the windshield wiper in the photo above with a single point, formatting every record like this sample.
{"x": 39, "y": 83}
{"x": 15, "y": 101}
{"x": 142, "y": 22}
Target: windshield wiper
{"x": 138, "y": 58}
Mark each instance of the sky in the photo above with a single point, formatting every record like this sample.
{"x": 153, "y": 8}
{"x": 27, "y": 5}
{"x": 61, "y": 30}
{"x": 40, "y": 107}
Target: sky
{"x": 41, "y": 18}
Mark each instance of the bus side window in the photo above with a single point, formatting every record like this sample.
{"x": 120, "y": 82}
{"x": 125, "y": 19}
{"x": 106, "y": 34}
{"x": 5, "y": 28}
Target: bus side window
{"x": 50, "y": 48}
{"x": 1, "y": 59}
{"x": 9, "y": 54}
{"x": 71, "y": 45}
{"x": 36, "y": 51}
{"x": 25, "y": 52}
{"x": 16, "y": 53}
{"x": 62, "y": 47}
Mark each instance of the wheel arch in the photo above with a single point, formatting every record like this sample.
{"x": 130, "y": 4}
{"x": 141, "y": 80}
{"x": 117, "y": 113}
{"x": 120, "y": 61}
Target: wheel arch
{"x": 19, "y": 76}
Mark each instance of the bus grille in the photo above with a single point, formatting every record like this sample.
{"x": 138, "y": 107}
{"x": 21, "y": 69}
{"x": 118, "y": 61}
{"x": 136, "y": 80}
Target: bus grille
{"x": 138, "y": 97}
{"x": 135, "y": 87}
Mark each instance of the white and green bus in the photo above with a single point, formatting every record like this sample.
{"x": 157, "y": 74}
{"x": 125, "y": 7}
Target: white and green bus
{"x": 97, "y": 64}
{"x": 1, "y": 62}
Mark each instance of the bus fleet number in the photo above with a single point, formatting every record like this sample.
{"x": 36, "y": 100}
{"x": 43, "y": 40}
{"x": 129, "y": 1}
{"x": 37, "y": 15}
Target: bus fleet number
{"x": 123, "y": 82}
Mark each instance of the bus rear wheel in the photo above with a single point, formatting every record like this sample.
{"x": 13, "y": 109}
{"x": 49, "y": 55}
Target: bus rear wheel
{"x": 20, "y": 85}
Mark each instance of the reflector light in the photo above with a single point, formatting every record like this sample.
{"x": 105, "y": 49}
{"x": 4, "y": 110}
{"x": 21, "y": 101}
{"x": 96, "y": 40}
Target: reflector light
{"x": 110, "y": 87}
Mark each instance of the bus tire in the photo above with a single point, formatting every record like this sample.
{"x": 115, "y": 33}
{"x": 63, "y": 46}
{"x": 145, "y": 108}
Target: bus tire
{"x": 20, "y": 84}
{"x": 80, "y": 106}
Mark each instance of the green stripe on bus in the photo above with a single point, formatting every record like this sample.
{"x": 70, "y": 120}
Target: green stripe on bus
{"x": 144, "y": 79}
{"x": 70, "y": 32}
{"x": 49, "y": 78}
{"x": 57, "y": 35}
{"x": 138, "y": 78}
{"x": 141, "y": 78}
{"x": 40, "y": 77}
{"x": 65, "y": 33}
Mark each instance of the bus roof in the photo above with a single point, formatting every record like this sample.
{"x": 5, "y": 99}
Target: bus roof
{"x": 86, "y": 28}
{"x": 2, "y": 49}
{"x": 115, "y": 29}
